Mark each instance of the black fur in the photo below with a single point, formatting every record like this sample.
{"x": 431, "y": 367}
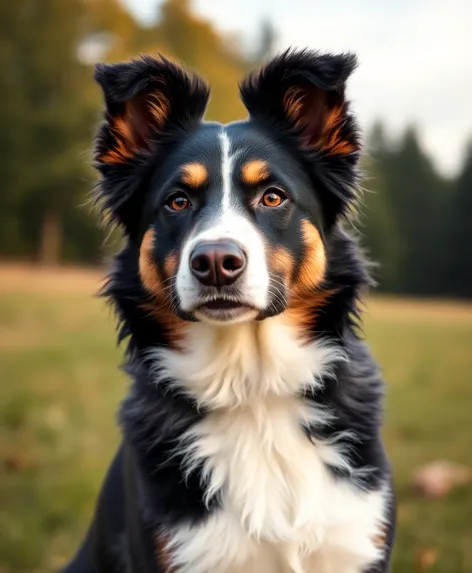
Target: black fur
{"x": 145, "y": 491}
{"x": 120, "y": 191}
{"x": 337, "y": 174}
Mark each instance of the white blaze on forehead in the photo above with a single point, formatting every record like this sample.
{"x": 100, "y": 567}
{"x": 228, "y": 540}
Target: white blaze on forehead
{"x": 226, "y": 168}
{"x": 228, "y": 223}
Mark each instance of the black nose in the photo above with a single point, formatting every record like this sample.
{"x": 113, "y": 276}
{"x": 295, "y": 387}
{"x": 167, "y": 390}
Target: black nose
{"x": 217, "y": 263}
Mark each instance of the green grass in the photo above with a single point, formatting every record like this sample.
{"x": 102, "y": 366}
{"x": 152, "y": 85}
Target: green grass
{"x": 60, "y": 388}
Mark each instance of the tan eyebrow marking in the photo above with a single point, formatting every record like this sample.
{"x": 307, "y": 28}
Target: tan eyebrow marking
{"x": 194, "y": 174}
{"x": 255, "y": 171}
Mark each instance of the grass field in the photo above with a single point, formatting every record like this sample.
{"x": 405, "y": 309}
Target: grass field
{"x": 60, "y": 388}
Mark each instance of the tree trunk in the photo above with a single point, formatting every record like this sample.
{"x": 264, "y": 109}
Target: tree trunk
{"x": 51, "y": 238}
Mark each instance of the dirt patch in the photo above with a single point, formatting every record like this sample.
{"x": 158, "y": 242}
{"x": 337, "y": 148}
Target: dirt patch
{"x": 79, "y": 280}
{"x": 421, "y": 310}
{"x": 55, "y": 280}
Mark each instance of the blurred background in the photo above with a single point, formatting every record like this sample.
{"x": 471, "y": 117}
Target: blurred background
{"x": 60, "y": 385}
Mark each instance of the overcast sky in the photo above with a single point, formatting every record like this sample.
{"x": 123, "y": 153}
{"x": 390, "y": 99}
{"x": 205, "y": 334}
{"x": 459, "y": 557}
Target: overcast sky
{"x": 415, "y": 56}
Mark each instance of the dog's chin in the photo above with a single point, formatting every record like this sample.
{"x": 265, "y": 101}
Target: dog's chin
{"x": 224, "y": 312}
{"x": 228, "y": 311}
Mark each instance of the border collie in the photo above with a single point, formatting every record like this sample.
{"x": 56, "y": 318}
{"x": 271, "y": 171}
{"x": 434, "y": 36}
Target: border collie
{"x": 251, "y": 433}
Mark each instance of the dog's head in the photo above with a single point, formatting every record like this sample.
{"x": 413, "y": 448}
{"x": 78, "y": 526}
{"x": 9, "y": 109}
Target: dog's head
{"x": 229, "y": 223}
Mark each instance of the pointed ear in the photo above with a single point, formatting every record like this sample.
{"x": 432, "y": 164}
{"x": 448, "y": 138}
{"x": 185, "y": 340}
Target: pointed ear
{"x": 301, "y": 94}
{"x": 306, "y": 90}
{"x": 144, "y": 98}
{"x": 150, "y": 104}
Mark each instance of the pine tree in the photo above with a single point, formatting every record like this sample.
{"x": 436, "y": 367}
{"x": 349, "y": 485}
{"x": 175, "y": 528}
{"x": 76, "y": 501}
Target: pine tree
{"x": 459, "y": 232}
{"x": 378, "y": 225}
{"x": 417, "y": 197}
{"x": 51, "y": 118}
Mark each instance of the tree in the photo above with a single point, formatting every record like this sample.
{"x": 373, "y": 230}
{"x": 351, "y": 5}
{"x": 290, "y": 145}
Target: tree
{"x": 190, "y": 39}
{"x": 378, "y": 224}
{"x": 416, "y": 192}
{"x": 187, "y": 38}
{"x": 14, "y": 132}
{"x": 459, "y": 232}
{"x": 49, "y": 109}
{"x": 49, "y": 116}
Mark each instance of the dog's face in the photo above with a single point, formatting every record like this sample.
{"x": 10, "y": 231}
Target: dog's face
{"x": 236, "y": 213}
{"x": 229, "y": 223}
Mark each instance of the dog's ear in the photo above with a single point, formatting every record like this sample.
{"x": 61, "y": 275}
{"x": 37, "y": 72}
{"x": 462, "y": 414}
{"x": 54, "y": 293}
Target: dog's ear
{"x": 303, "y": 92}
{"x": 143, "y": 98}
{"x": 149, "y": 101}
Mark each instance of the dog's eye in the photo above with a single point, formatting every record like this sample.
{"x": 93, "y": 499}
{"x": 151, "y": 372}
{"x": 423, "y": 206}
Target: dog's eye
{"x": 178, "y": 202}
{"x": 273, "y": 198}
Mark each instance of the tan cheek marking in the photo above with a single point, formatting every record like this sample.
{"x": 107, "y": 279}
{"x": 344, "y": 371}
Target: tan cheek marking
{"x": 281, "y": 262}
{"x": 170, "y": 265}
{"x": 313, "y": 267}
{"x": 160, "y": 307}
{"x": 255, "y": 172}
{"x": 304, "y": 304}
{"x": 150, "y": 275}
{"x": 306, "y": 300}
{"x": 304, "y": 310}
{"x": 194, "y": 174}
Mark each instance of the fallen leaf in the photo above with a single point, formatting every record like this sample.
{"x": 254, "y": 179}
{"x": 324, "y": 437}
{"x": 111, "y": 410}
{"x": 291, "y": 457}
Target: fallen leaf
{"x": 438, "y": 478}
{"x": 427, "y": 557}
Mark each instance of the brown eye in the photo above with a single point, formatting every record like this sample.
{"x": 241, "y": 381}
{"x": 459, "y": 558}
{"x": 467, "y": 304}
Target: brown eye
{"x": 178, "y": 203}
{"x": 272, "y": 198}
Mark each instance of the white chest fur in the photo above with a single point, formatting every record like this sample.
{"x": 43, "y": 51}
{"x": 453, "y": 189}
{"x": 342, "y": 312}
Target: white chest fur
{"x": 281, "y": 509}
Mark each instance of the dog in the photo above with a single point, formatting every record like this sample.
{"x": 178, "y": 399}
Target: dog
{"x": 251, "y": 432}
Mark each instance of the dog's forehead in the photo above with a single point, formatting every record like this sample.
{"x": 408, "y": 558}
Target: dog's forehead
{"x": 233, "y": 157}
{"x": 222, "y": 148}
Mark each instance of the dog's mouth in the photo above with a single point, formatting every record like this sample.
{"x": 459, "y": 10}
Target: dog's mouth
{"x": 225, "y": 310}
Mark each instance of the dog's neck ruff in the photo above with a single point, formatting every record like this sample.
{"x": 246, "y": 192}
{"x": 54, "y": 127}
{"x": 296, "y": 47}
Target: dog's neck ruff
{"x": 277, "y": 497}
{"x": 223, "y": 367}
